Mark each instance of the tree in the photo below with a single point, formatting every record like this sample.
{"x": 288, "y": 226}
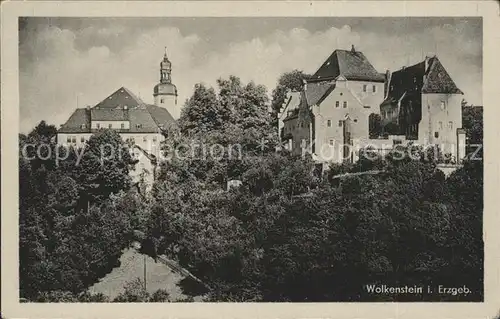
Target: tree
{"x": 374, "y": 125}
{"x": 104, "y": 168}
{"x": 202, "y": 112}
{"x": 292, "y": 81}
{"x": 472, "y": 122}
{"x": 69, "y": 239}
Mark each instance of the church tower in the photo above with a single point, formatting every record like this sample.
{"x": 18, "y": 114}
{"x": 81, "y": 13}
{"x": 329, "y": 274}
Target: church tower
{"x": 165, "y": 93}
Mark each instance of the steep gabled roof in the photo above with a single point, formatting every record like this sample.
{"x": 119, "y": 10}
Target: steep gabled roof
{"x": 120, "y": 98}
{"x": 141, "y": 121}
{"x": 353, "y": 65}
{"x": 315, "y": 93}
{"x": 143, "y": 118}
{"x": 438, "y": 80}
{"x": 428, "y": 76}
{"x": 109, "y": 114}
{"x": 161, "y": 116}
{"x": 76, "y": 120}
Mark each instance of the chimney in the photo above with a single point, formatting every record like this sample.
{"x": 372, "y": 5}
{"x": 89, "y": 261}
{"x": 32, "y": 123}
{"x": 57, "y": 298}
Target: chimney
{"x": 305, "y": 84}
{"x": 352, "y": 49}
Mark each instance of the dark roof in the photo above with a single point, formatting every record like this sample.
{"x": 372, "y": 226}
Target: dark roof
{"x": 353, "y": 65}
{"x": 120, "y": 98}
{"x": 143, "y": 118}
{"x": 417, "y": 79}
{"x": 75, "y": 121}
{"x": 160, "y": 115}
{"x": 165, "y": 88}
{"x": 438, "y": 80}
{"x": 109, "y": 114}
{"x": 141, "y": 121}
{"x": 316, "y": 92}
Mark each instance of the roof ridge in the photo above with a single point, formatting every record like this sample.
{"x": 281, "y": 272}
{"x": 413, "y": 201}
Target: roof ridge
{"x": 135, "y": 97}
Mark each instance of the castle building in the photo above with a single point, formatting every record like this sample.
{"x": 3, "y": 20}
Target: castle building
{"x": 424, "y": 104}
{"x": 345, "y": 86}
{"x": 138, "y": 123}
{"x": 330, "y": 117}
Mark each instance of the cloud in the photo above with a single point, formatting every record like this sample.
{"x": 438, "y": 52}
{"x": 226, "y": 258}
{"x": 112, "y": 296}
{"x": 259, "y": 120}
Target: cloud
{"x": 67, "y": 67}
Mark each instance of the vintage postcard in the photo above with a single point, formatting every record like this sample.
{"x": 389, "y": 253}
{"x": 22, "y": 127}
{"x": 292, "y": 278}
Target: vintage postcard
{"x": 250, "y": 159}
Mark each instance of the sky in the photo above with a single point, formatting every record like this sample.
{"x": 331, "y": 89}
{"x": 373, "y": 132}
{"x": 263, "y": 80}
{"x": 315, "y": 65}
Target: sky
{"x": 66, "y": 63}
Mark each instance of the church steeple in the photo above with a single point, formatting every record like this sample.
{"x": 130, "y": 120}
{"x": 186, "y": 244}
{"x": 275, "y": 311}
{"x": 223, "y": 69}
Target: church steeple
{"x": 165, "y": 69}
{"x": 165, "y": 92}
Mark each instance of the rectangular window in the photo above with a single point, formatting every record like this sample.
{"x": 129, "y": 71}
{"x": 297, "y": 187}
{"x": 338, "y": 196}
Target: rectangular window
{"x": 110, "y": 125}
{"x": 443, "y": 105}
{"x": 82, "y": 139}
{"x": 337, "y": 104}
{"x": 154, "y": 138}
{"x": 162, "y": 100}
{"x": 396, "y": 142}
{"x": 364, "y": 87}
{"x": 374, "y": 88}
{"x": 340, "y": 123}
{"x": 450, "y": 125}
{"x": 331, "y": 142}
{"x": 436, "y": 134}
{"x": 68, "y": 139}
{"x": 122, "y": 125}
{"x": 98, "y": 125}
{"x": 145, "y": 139}
{"x": 440, "y": 124}
{"x": 345, "y": 104}
{"x": 73, "y": 139}
{"x": 329, "y": 123}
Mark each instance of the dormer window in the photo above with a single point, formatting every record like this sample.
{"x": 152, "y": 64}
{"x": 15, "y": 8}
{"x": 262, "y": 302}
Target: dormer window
{"x": 82, "y": 126}
{"x": 138, "y": 125}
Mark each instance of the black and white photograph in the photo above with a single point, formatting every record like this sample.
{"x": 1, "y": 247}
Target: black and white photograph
{"x": 235, "y": 159}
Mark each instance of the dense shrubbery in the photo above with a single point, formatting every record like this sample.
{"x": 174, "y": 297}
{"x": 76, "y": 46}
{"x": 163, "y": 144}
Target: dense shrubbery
{"x": 287, "y": 236}
{"x": 74, "y": 219}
